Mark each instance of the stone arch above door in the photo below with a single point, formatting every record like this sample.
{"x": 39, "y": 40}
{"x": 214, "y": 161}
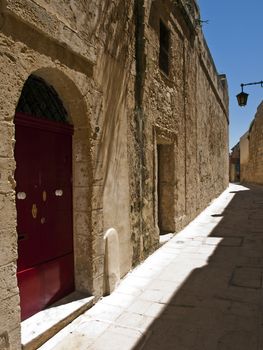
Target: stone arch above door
{"x": 41, "y": 100}
{"x": 82, "y": 179}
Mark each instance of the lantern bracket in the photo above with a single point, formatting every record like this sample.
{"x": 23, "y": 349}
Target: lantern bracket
{"x": 242, "y": 97}
{"x": 256, "y": 83}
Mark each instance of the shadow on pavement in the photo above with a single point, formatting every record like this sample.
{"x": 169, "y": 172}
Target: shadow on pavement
{"x": 219, "y": 305}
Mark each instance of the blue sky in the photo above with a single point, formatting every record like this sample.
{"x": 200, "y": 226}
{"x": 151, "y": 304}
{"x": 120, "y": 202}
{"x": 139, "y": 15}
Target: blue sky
{"x": 235, "y": 37}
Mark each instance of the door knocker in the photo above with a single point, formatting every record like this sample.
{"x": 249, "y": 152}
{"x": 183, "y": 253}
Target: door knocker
{"x": 34, "y": 211}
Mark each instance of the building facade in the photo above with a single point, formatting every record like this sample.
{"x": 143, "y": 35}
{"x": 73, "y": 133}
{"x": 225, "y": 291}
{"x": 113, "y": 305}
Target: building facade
{"x": 112, "y": 116}
{"x": 234, "y": 163}
{"x": 251, "y": 150}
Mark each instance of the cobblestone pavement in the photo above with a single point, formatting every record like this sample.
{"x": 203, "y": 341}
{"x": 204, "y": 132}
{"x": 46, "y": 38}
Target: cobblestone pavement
{"x": 202, "y": 290}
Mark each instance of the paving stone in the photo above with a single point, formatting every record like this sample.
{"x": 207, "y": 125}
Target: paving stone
{"x": 115, "y": 341}
{"x": 238, "y": 340}
{"x": 232, "y": 241}
{"x": 248, "y": 277}
{"x": 128, "y": 289}
{"x": 139, "y": 306}
{"x": 158, "y": 284}
{"x": 191, "y": 249}
{"x": 207, "y": 249}
{"x": 244, "y": 309}
{"x": 134, "y": 321}
{"x": 156, "y": 296}
{"x": 73, "y": 341}
{"x": 224, "y": 241}
{"x": 177, "y": 276}
{"x": 118, "y": 299}
{"x": 173, "y": 337}
{"x": 135, "y": 281}
{"x": 80, "y": 333}
{"x": 145, "y": 272}
{"x": 154, "y": 310}
{"x": 104, "y": 312}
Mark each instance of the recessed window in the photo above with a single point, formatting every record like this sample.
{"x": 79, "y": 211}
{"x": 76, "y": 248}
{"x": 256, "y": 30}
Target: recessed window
{"x": 164, "y": 48}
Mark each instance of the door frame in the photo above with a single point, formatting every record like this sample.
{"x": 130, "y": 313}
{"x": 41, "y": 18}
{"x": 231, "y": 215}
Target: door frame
{"x": 87, "y": 179}
{"x": 44, "y": 125}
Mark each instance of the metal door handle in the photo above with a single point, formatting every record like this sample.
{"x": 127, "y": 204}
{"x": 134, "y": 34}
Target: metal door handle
{"x": 34, "y": 211}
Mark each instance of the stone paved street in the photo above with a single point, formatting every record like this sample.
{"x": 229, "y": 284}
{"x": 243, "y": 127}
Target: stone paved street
{"x": 202, "y": 290}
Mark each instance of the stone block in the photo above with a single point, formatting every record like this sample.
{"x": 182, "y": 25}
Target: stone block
{"x": 97, "y": 222}
{"x": 7, "y": 140}
{"x": 98, "y": 286}
{"x": 98, "y": 266}
{"x": 15, "y": 338}
{"x": 82, "y": 248}
{"x": 8, "y": 246}
{"x": 8, "y": 282}
{"x": 7, "y": 167}
{"x": 98, "y": 246}
{"x": 10, "y": 314}
{"x": 82, "y": 223}
{"x": 7, "y": 210}
{"x": 97, "y": 197}
{"x": 81, "y": 145}
{"x": 4, "y": 341}
{"x": 81, "y": 199}
{"x": 82, "y": 174}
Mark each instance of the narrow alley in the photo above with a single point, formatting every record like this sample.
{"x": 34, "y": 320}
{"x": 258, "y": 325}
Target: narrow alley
{"x": 201, "y": 290}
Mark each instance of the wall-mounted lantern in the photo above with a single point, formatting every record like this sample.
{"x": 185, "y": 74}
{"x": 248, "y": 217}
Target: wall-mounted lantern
{"x": 242, "y": 96}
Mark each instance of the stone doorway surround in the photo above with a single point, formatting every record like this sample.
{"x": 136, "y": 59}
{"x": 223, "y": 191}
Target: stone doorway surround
{"x": 165, "y": 180}
{"x": 43, "y": 154}
{"x": 82, "y": 174}
{"x": 87, "y": 209}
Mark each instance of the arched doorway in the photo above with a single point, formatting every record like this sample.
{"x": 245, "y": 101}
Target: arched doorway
{"x": 43, "y": 154}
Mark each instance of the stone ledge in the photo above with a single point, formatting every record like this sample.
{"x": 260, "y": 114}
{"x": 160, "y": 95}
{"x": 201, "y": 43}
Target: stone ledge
{"x": 37, "y": 329}
{"x": 37, "y": 17}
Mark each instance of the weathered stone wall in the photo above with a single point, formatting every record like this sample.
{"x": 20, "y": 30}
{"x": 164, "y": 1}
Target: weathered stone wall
{"x": 244, "y": 148}
{"x": 186, "y": 109}
{"x": 102, "y": 59}
{"x": 234, "y": 163}
{"x": 251, "y": 151}
{"x": 244, "y": 156}
{"x": 85, "y": 50}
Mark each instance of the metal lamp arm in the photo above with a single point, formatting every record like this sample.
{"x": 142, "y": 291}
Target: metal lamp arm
{"x": 256, "y": 83}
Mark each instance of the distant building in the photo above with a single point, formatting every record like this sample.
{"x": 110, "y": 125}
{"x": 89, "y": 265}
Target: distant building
{"x": 234, "y": 164}
{"x": 244, "y": 156}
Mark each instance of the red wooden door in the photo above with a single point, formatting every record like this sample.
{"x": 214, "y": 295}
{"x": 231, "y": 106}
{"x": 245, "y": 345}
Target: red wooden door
{"x": 43, "y": 154}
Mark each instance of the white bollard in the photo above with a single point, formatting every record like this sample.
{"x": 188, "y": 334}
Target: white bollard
{"x": 111, "y": 261}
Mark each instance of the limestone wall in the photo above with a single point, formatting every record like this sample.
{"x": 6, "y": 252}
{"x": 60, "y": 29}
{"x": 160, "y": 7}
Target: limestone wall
{"x": 244, "y": 148}
{"x": 149, "y": 150}
{"x": 244, "y": 156}
{"x": 251, "y": 151}
{"x": 85, "y": 51}
{"x": 186, "y": 110}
